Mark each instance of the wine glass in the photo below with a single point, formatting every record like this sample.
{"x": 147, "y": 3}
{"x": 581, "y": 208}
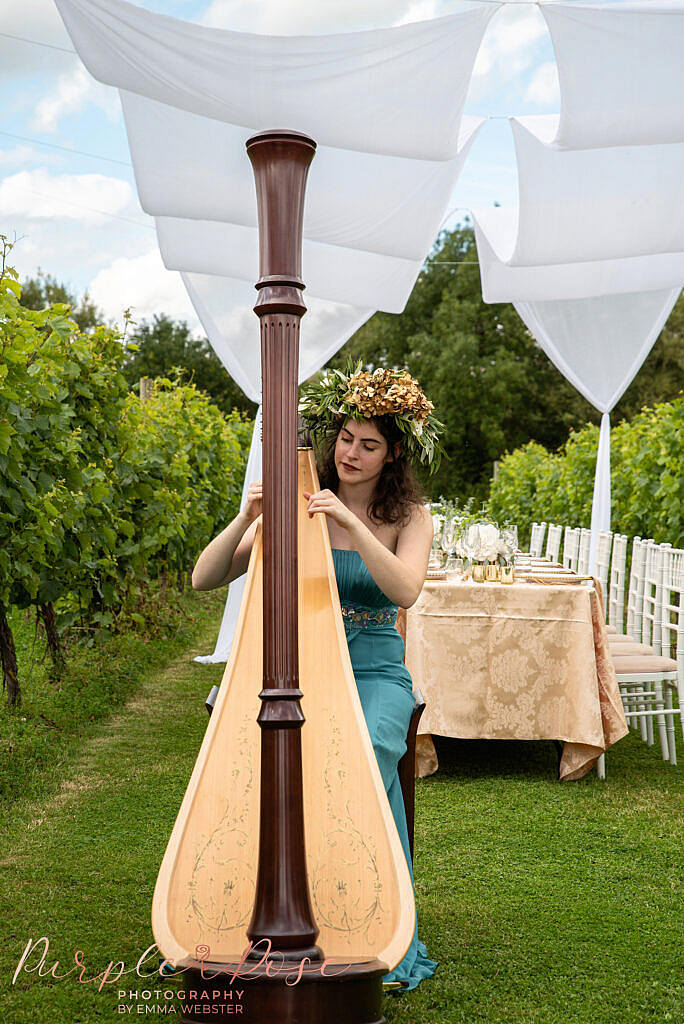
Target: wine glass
{"x": 436, "y": 548}
{"x": 449, "y": 539}
{"x": 470, "y": 541}
{"x": 509, "y": 535}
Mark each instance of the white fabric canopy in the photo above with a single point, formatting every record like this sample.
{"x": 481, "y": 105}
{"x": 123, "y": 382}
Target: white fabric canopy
{"x": 330, "y": 272}
{"x": 621, "y": 71}
{"x": 593, "y": 257}
{"x": 495, "y": 231}
{"x": 193, "y": 167}
{"x": 594, "y": 204}
{"x": 396, "y": 91}
{"x": 225, "y": 309}
{"x": 599, "y": 344}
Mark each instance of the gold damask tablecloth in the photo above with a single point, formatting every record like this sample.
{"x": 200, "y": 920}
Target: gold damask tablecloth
{"x": 523, "y": 661}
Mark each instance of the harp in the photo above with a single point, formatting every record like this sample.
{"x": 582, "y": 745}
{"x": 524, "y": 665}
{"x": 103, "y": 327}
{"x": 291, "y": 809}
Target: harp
{"x": 284, "y": 875}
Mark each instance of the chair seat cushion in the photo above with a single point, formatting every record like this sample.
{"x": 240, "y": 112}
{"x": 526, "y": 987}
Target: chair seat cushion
{"x": 625, "y": 650}
{"x": 640, "y": 664}
{"x": 611, "y": 630}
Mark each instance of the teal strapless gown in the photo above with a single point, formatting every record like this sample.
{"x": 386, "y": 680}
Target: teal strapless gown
{"x": 386, "y": 692}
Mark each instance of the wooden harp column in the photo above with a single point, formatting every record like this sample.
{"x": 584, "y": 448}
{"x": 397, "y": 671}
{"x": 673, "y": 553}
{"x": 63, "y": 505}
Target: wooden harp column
{"x": 282, "y": 908}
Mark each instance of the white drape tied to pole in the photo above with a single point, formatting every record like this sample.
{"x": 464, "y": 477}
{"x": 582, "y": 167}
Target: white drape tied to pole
{"x": 236, "y": 588}
{"x": 599, "y": 345}
{"x": 600, "y": 506}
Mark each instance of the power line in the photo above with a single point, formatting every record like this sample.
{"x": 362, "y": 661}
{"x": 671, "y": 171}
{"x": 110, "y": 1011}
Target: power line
{"x": 82, "y": 206}
{"x": 36, "y": 42}
{"x": 67, "y": 149}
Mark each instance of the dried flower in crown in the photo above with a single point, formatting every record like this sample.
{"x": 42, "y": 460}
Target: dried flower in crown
{"x": 360, "y": 394}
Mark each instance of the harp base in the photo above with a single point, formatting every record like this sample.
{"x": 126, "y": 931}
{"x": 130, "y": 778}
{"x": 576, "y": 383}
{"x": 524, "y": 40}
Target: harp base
{"x": 350, "y": 994}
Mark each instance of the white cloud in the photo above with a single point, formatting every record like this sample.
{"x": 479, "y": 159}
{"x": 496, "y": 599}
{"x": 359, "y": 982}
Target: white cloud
{"x": 510, "y": 40}
{"x": 23, "y": 154}
{"x": 420, "y": 10}
{"x": 39, "y": 195}
{"x": 73, "y": 90}
{"x": 544, "y": 88}
{"x": 292, "y": 17}
{"x": 145, "y": 285}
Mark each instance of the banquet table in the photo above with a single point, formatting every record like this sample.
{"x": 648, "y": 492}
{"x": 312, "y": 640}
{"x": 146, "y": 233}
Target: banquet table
{"x": 522, "y": 661}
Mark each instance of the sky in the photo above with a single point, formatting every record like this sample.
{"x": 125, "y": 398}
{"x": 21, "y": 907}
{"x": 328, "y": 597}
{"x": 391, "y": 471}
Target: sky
{"x": 67, "y": 192}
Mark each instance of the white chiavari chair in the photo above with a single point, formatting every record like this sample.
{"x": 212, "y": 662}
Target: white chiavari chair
{"x": 583, "y": 551}
{"x": 643, "y": 677}
{"x": 602, "y": 564}
{"x": 537, "y": 539}
{"x": 672, "y": 631}
{"x": 570, "y": 547}
{"x": 630, "y": 643}
{"x": 553, "y": 541}
{"x": 616, "y": 586}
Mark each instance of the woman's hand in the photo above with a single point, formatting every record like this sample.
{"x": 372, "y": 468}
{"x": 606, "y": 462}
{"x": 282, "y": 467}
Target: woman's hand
{"x": 254, "y": 504}
{"x": 330, "y": 504}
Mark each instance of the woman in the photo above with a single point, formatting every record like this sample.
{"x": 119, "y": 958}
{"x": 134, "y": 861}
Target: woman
{"x": 367, "y": 427}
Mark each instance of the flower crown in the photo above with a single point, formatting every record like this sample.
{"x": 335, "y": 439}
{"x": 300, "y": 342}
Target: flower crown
{"x": 359, "y": 394}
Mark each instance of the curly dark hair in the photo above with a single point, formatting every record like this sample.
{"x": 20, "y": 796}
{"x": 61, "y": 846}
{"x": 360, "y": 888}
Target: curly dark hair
{"x": 396, "y": 492}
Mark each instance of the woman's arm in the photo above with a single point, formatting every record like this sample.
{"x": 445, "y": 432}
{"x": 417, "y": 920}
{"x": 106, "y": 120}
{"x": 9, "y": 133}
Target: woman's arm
{"x": 227, "y": 556}
{"x": 400, "y": 576}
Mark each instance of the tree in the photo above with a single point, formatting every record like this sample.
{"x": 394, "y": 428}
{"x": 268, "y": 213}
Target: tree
{"x": 163, "y": 343}
{"x": 491, "y": 384}
{"x": 43, "y": 291}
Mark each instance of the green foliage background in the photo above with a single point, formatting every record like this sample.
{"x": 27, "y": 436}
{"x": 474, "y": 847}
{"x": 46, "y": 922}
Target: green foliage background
{"x": 102, "y": 495}
{"x": 647, "y": 489}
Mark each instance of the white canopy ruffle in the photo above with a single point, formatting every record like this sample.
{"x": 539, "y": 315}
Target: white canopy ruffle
{"x": 621, "y": 72}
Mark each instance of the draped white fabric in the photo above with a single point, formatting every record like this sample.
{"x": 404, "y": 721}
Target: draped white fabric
{"x": 226, "y": 314}
{"x": 494, "y": 230}
{"x": 594, "y": 204}
{"x": 397, "y": 91}
{"x": 599, "y": 344}
{"x": 331, "y": 272}
{"x": 236, "y": 588}
{"x": 621, "y": 72}
{"x": 600, "y": 505}
{"x": 193, "y": 167}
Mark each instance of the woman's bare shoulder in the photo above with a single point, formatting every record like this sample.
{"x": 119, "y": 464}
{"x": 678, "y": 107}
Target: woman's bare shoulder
{"x": 418, "y": 523}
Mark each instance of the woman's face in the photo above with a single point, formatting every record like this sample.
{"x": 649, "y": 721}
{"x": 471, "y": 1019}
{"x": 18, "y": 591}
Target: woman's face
{"x": 360, "y": 452}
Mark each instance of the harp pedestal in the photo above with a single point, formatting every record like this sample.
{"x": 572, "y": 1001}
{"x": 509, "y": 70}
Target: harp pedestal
{"x": 353, "y": 997}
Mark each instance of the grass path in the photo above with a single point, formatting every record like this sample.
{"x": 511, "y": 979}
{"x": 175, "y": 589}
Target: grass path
{"x": 544, "y": 903}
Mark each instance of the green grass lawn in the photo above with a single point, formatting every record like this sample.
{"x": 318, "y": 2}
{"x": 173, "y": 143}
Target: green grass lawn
{"x": 544, "y": 903}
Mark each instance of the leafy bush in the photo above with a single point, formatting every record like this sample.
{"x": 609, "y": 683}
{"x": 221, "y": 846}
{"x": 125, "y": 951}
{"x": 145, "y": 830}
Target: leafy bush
{"x": 100, "y": 493}
{"x": 647, "y": 481}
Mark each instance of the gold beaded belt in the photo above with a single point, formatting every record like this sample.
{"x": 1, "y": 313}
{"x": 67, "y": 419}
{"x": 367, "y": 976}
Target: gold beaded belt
{"x": 357, "y": 617}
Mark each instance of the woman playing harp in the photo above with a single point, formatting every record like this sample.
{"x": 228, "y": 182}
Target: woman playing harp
{"x": 367, "y": 429}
